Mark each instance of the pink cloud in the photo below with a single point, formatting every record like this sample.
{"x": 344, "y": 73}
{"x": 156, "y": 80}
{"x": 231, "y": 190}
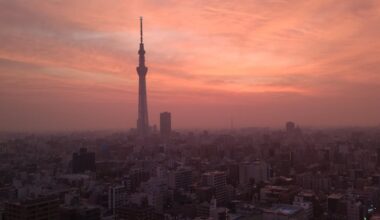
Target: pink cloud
{"x": 263, "y": 60}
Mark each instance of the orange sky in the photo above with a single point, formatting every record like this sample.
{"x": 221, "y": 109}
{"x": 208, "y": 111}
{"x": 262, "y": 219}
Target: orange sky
{"x": 70, "y": 64}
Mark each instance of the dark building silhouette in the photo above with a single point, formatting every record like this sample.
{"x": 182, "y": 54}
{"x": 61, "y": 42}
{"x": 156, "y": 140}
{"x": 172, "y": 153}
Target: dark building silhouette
{"x": 336, "y": 207}
{"x": 142, "y": 212}
{"x": 142, "y": 121}
{"x": 43, "y": 208}
{"x": 233, "y": 174}
{"x": 165, "y": 124}
{"x": 290, "y": 126}
{"x": 80, "y": 213}
{"x": 135, "y": 178}
{"x": 181, "y": 178}
{"x": 83, "y": 161}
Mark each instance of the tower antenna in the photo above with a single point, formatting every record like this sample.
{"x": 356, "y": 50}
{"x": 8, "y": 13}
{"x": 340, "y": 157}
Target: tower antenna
{"x": 141, "y": 29}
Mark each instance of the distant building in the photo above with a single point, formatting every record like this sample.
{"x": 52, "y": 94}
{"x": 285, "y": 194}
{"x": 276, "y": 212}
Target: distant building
{"x": 204, "y": 193}
{"x": 137, "y": 212}
{"x": 308, "y": 196}
{"x": 256, "y": 172}
{"x": 306, "y": 205}
{"x": 233, "y": 174}
{"x": 354, "y": 210}
{"x": 42, "y": 208}
{"x": 278, "y": 194}
{"x": 8, "y": 192}
{"x": 80, "y": 213}
{"x": 284, "y": 212}
{"x": 290, "y": 126}
{"x": 248, "y": 211}
{"x": 218, "y": 180}
{"x": 117, "y": 197}
{"x": 203, "y": 210}
{"x": 378, "y": 156}
{"x": 165, "y": 124}
{"x": 316, "y": 182}
{"x": 180, "y": 179}
{"x": 135, "y": 178}
{"x": 336, "y": 206}
{"x": 218, "y": 213}
{"x": 155, "y": 189}
{"x": 83, "y": 161}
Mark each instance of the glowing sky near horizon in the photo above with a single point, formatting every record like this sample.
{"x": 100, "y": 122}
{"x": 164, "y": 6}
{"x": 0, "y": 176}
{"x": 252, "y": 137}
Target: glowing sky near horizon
{"x": 71, "y": 64}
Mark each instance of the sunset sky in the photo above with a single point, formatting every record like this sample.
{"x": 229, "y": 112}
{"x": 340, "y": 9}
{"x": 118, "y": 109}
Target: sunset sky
{"x": 71, "y": 64}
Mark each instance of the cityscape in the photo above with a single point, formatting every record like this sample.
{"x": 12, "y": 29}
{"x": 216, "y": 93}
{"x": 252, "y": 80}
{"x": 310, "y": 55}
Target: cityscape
{"x": 320, "y": 163}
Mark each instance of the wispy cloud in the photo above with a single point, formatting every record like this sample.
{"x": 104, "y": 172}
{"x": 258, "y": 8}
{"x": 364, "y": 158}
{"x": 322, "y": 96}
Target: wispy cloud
{"x": 263, "y": 55}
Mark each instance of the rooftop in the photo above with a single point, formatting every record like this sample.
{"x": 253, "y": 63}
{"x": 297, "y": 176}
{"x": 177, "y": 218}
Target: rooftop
{"x": 284, "y": 209}
{"x": 335, "y": 196}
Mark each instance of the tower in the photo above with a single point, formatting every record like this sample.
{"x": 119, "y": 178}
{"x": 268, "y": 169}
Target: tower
{"x": 142, "y": 121}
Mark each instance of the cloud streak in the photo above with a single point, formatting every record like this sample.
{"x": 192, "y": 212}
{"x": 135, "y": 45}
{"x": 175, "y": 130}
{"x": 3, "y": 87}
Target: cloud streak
{"x": 261, "y": 60}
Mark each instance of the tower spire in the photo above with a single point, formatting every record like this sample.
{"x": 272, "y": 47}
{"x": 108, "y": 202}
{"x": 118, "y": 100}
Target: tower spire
{"x": 141, "y": 29}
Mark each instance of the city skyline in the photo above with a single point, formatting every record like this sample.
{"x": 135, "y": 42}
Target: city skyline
{"x": 189, "y": 110}
{"x": 69, "y": 65}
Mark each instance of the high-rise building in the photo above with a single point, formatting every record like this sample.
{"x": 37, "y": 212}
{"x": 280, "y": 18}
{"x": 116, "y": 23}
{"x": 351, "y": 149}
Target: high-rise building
{"x": 218, "y": 180}
{"x": 165, "y": 124}
{"x": 336, "y": 206}
{"x": 355, "y": 210}
{"x": 117, "y": 197}
{"x": 180, "y": 179}
{"x": 135, "y": 178}
{"x": 219, "y": 213}
{"x": 83, "y": 161}
{"x": 254, "y": 172}
{"x": 233, "y": 174}
{"x": 142, "y": 121}
{"x": 41, "y": 208}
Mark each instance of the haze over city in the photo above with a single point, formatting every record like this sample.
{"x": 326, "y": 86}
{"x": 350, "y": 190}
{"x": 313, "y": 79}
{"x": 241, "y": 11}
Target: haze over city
{"x": 72, "y": 64}
{"x": 189, "y": 110}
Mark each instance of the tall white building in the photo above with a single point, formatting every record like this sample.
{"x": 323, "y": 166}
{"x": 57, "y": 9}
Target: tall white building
{"x": 217, "y": 179}
{"x": 117, "y": 197}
